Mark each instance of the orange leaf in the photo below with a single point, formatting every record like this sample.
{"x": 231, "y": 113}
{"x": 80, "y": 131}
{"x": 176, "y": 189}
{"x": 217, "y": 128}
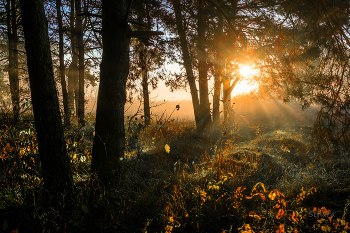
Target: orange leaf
{"x": 272, "y": 195}
{"x": 280, "y": 214}
{"x": 294, "y": 217}
{"x": 262, "y": 196}
{"x": 280, "y": 229}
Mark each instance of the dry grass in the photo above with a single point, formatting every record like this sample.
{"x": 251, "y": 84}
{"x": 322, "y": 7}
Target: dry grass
{"x": 268, "y": 180}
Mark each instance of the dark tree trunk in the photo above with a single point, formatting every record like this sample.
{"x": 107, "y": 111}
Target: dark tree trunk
{"x": 62, "y": 66}
{"x": 146, "y": 107}
{"x": 109, "y": 142}
{"x": 218, "y": 74}
{"x": 13, "y": 56}
{"x": 53, "y": 156}
{"x": 187, "y": 61}
{"x": 73, "y": 78}
{"x": 81, "y": 63}
{"x": 205, "y": 119}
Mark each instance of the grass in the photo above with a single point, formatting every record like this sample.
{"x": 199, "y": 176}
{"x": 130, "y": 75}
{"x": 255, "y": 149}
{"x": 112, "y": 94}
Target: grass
{"x": 257, "y": 178}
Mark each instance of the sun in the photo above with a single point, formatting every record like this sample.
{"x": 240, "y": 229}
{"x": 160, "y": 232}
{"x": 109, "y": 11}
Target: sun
{"x": 246, "y": 71}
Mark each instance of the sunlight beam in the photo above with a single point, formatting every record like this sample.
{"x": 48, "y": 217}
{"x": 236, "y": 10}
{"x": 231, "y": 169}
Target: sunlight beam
{"x": 246, "y": 71}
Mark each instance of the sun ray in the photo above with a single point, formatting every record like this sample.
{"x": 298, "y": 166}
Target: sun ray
{"x": 246, "y": 71}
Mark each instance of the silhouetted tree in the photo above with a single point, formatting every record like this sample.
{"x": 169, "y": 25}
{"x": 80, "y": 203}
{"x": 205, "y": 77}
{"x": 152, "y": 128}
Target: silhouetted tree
{"x": 80, "y": 40}
{"x": 109, "y": 139}
{"x": 11, "y": 8}
{"x": 62, "y": 65}
{"x": 53, "y": 156}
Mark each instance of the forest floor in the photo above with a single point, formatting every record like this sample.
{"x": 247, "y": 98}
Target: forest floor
{"x": 252, "y": 179}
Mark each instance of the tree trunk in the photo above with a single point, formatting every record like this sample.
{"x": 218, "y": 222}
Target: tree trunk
{"x": 81, "y": 63}
{"x": 227, "y": 100}
{"x": 218, "y": 74}
{"x": 146, "y": 107}
{"x": 62, "y": 66}
{"x": 109, "y": 142}
{"x": 71, "y": 77}
{"x": 53, "y": 156}
{"x": 187, "y": 61}
{"x": 73, "y": 68}
{"x": 205, "y": 120}
{"x": 13, "y": 56}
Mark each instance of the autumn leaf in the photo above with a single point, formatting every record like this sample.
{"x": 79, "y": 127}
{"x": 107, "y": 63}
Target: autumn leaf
{"x": 254, "y": 215}
{"x": 167, "y": 148}
{"x": 294, "y": 217}
{"x": 280, "y": 214}
{"x": 280, "y": 229}
{"x": 272, "y": 195}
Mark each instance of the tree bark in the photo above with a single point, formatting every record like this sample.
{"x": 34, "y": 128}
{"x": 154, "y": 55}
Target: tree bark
{"x": 13, "y": 56}
{"x": 109, "y": 142}
{"x": 53, "y": 156}
{"x": 79, "y": 28}
{"x": 218, "y": 74}
{"x": 205, "y": 118}
{"x": 187, "y": 61}
{"x": 146, "y": 107}
{"x": 227, "y": 90}
{"x": 73, "y": 79}
{"x": 62, "y": 66}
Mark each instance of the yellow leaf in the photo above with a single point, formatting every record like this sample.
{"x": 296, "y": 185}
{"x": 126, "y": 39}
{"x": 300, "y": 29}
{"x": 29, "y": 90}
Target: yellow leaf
{"x": 167, "y": 148}
{"x": 272, "y": 195}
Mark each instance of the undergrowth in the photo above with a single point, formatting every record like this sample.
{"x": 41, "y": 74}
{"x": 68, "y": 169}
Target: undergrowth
{"x": 176, "y": 180}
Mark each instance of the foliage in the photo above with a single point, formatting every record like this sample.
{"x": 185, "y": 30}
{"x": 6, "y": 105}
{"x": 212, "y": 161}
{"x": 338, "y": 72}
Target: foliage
{"x": 194, "y": 187}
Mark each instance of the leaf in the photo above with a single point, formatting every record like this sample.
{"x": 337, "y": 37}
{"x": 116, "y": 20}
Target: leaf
{"x": 272, "y": 195}
{"x": 167, "y": 148}
{"x": 280, "y": 214}
{"x": 85, "y": 209}
{"x": 177, "y": 107}
{"x": 294, "y": 217}
{"x": 2, "y": 205}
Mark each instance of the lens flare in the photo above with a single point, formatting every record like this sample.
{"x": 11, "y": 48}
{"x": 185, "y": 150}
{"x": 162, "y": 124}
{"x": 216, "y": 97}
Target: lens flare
{"x": 245, "y": 71}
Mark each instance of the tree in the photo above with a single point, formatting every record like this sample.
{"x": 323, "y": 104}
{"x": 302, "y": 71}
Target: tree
{"x": 11, "y": 8}
{"x": 187, "y": 61}
{"x": 53, "y": 156}
{"x": 109, "y": 142}
{"x": 73, "y": 74}
{"x": 205, "y": 117}
{"x": 62, "y": 66}
{"x": 79, "y": 33}
{"x": 313, "y": 66}
{"x": 218, "y": 73}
